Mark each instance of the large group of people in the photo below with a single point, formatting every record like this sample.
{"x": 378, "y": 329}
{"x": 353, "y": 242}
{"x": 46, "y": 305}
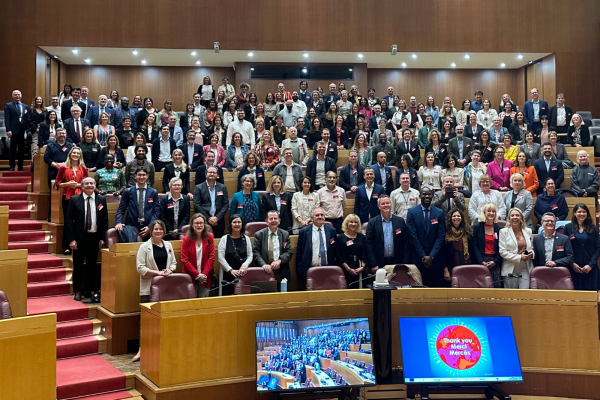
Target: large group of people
{"x": 501, "y": 160}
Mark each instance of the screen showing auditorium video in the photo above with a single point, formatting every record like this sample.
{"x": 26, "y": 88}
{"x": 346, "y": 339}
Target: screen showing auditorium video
{"x": 311, "y": 354}
{"x": 459, "y": 350}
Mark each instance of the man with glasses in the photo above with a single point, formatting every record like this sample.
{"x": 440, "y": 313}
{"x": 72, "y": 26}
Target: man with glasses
{"x": 551, "y": 249}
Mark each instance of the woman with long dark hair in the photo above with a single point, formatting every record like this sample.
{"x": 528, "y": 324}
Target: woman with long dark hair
{"x": 458, "y": 242}
{"x": 585, "y": 241}
{"x": 235, "y": 253}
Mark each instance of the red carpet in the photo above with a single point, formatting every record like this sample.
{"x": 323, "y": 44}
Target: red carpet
{"x": 84, "y": 376}
{"x": 74, "y": 329}
{"x": 32, "y": 247}
{"x": 15, "y": 179}
{"x": 17, "y": 173}
{"x": 27, "y": 236}
{"x": 15, "y": 204}
{"x": 46, "y": 275}
{"x": 23, "y": 225}
{"x": 65, "y": 307}
{"x": 13, "y": 187}
{"x": 35, "y": 261}
{"x": 14, "y": 196}
{"x": 76, "y": 347}
{"x": 46, "y": 289}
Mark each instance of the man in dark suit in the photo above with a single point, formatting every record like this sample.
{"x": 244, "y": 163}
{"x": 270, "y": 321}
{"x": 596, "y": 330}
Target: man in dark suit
{"x": 552, "y": 249}
{"x": 352, "y": 174}
{"x": 383, "y": 173}
{"x": 16, "y": 119}
{"x": 84, "y": 98}
{"x": 141, "y": 203}
{"x": 534, "y": 109}
{"x": 318, "y": 166}
{"x": 387, "y": 244}
{"x": 409, "y": 147}
{"x": 548, "y": 167}
{"x": 193, "y": 155}
{"x": 331, "y": 97}
{"x": 55, "y": 156}
{"x": 374, "y": 120}
{"x": 461, "y": 147}
{"x": 331, "y": 150}
{"x": 272, "y": 250}
{"x": 560, "y": 115}
{"x": 201, "y": 170}
{"x": 390, "y": 96}
{"x": 162, "y": 149}
{"x": 426, "y": 231}
{"x": 212, "y": 201}
{"x": 85, "y": 228}
{"x": 367, "y": 194}
{"x": 383, "y": 147}
{"x": 65, "y": 108}
{"x": 76, "y": 125}
{"x": 315, "y": 246}
{"x": 94, "y": 112}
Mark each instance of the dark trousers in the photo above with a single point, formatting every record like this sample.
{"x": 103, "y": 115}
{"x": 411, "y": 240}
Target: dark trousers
{"x": 433, "y": 277}
{"x": 160, "y": 165}
{"x": 86, "y": 271}
{"x": 337, "y": 224}
{"x": 50, "y": 199}
{"x": 17, "y": 149}
{"x": 65, "y": 208}
{"x": 219, "y": 230}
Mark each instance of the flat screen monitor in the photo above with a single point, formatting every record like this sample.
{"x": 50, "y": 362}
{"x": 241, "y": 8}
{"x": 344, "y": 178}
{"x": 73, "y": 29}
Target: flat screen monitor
{"x": 459, "y": 350}
{"x": 310, "y": 354}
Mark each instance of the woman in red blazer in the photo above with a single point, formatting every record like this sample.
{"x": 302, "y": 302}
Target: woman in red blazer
{"x": 198, "y": 244}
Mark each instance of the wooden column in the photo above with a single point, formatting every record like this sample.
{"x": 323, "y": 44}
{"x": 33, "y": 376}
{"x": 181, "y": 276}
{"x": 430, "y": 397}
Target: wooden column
{"x": 3, "y": 227}
{"x": 13, "y": 280}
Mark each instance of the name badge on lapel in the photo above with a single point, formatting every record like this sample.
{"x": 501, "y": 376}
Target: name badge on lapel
{"x": 398, "y": 231}
{"x": 553, "y": 168}
{"x": 283, "y": 202}
{"x": 572, "y": 236}
{"x": 331, "y": 241}
{"x": 553, "y": 206}
{"x": 219, "y": 193}
{"x": 100, "y": 207}
{"x": 150, "y": 199}
{"x": 434, "y": 221}
{"x": 349, "y": 243}
{"x": 375, "y": 195}
{"x": 560, "y": 248}
{"x": 170, "y": 205}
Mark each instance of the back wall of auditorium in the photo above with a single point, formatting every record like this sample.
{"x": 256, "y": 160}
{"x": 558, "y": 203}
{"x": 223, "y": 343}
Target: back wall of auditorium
{"x": 567, "y": 30}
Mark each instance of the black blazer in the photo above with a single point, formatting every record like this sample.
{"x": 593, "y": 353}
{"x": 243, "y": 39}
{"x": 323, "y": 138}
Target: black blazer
{"x": 167, "y": 213}
{"x": 414, "y": 178}
{"x": 198, "y": 157}
{"x": 479, "y": 243}
{"x": 450, "y": 251}
{"x": 327, "y": 100}
{"x": 260, "y": 251}
{"x": 584, "y": 132}
{"x": 156, "y": 149}
{"x": 562, "y": 253}
{"x": 201, "y": 175}
{"x": 319, "y": 108}
{"x": 184, "y": 123}
{"x": 441, "y": 155}
{"x": 414, "y": 151}
{"x": 487, "y": 152}
{"x": 11, "y": 118}
{"x": 344, "y": 176}
{"x": 375, "y": 239}
{"x": 553, "y": 114}
{"x": 202, "y": 201}
{"x": 515, "y": 132}
{"x": 75, "y": 222}
{"x": 261, "y": 184}
{"x": 556, "y": 172}
{"x": 69, "y": 125}
{"x": 331, "y": 151}
{"x": 44, "y": 133}
{"x": 120, "y": 157}
{"x": 169, "y": 173}
{"x": 586, "y": 253}
{"x": 473, "y": 135}
{"x": 351, "y": 121}
{"x": 344, "y": 137}
{"x": 285, "y": 210}
{"x": 65, "y": 109}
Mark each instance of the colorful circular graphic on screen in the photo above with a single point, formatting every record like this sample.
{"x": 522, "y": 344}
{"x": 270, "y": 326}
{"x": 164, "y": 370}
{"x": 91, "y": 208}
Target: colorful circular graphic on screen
{"x": 458, "y": 347}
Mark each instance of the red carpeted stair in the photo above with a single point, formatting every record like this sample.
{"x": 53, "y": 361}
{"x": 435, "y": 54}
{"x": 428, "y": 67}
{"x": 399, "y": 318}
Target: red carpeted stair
{"x": 80, "y": 371}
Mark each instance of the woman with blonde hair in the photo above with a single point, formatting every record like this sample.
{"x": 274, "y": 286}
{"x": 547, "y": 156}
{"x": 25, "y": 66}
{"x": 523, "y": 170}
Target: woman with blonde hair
{"x": 578, "y": 134}
{"x": 177, "y": 169}
{"x": 485, "y": 196}
{"x": 206, "y": 91}
{"x": 364, "y": 151}
{"x": 163, "y": 116}
{"x": 516, "y": 250}
{"x": 277, "y": 199}
{"x": 486, "y": 245}
{"x": 268, "y": 151}
{"x": 350, "y": 250}
{"x": 103, "y": 129}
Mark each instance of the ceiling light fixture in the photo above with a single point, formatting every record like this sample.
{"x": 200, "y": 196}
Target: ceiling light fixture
{"x": 193, "y": 54}
{"x": 250, "y": 54}
{"x": 135, "y": 52}
{"x": 520, "y": 57}
{"x": 467, "y": 57}
{"x": 304, "y": 70}
{"x": 143, "y": 61}
{"x": 453, "y": 65}
{"x": 403, "y": 65}
{"x": 414, "y": 56}
{"x": 350, "y": 69}
{"x": 360, "y": 55}
{"x": 87, "y": 60}
{"x": 502, "y": 65}
{"x": 75, "y": 51}
{"x": 305, "y": 55}
{"x": 55, "y": 56}
{"x": 198, "y": 62}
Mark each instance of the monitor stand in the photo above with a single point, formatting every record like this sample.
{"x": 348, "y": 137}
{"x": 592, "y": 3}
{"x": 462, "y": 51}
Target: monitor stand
{"x": 491, "y": 390}
{"x": 342, "y": 394}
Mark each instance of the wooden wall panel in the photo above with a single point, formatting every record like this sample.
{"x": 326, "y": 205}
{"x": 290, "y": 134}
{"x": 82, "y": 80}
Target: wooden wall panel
{"x": 577, "y": 77}
{"x": 159, "y": 83}
{"x": 543, "y": 77}
{"x": 457, "y": 84}
{"x": 40, "y": 76}
{"x": 54, "y": 77}
{"x": 263, "y": 86}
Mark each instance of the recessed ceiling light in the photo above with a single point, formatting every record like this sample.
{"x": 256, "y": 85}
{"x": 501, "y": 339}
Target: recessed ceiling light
{"x": 467, "y": 56}
{"x": 55, "y": 56}
{"x": 143, "y": 61}
{"x": 135, "y": 52}
{"x": 87, "y": 60}
{"x": 198, "y": 62}
{"x": 403, "y": 65}
{"x": 75, "y": 51}
{"x": 305, "y": 55}
{"x": 453, "y": 65}
{"x": 502, "y": 65}
{"x": 360, "y": 55}
{"x": 350, "y": 69}
{"x": 193, "y": 53}
{"x": 250, "y": 54}
{"x": 520, "y": 57}
{"x": 304, "y": 70}
{"x": 414, "y": 56}
{"x": 251, "y": 69}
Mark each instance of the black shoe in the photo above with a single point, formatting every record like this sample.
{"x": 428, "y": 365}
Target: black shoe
{"x": 67, "y": 252}
{"x": 77, "y": 296}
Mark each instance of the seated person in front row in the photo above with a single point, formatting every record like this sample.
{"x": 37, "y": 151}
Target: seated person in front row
{"x": 141, "y": 203}
{"x": 551, "y": 249}
{"x": 209, "y": 158}
{"x": 140, "y": 160}
{"x": 162, "y": 148}
{"x": 272, "y": 250}
{"x": 584, "y": 178}
{"x": 315, "y": 246}
{"x": 551, "y": 201}
{"x": 174, "y": 209}
{"x": 212, "y": 201}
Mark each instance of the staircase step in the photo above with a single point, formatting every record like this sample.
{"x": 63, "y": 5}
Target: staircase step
{"x": 121, "y": 394}
{"x": 37, "y": 261}
{"x": 14, "y": 196}
{"x": 46, "y": 275}
{"x": 79, "y": 346}
{"x": 18, "y": 214}
{"x": 65, "y": 307}
{"x": 15, "y": 179}
{"x": 13, "y": 187}
{"x": 15, "y": 204}
{"x": 32, "y": 247}
{"x": 27, "y": 236}
{"x": 29, "y": 225}
{"x": 84, "y": 327}
{"x": 16, "y": 173}
{"x": 99, "y": 377}
{"x": 46, "y": 289}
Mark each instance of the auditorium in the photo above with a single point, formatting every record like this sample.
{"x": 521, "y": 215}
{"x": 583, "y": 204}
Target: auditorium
{"x": 348, "y": 201}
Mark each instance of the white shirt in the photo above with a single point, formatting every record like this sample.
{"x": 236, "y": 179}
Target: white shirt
{"x": 199, "y": 258}
{"x": 245, "y": 128}
{"x": 300, "y": 106}
{"x": 57, "y": 111}
{"x": 275, "y": 241}
{"x": 316, "y": 245}
{"x": 369, "y": 190}
{"x": 402, "y": 201}
{"x": 85, "y": 208}
{"x": 289, "y": 184}
{"x": 561, "y": 116}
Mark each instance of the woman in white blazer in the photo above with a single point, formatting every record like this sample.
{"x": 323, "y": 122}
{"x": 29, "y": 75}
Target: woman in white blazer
{"x": 154, "y": 257}
{"x": 516, "y": 251}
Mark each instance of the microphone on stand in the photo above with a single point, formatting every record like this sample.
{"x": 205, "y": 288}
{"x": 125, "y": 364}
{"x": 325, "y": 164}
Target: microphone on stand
{"x": 233, "y": 282}
{"x": 361, "y": 279}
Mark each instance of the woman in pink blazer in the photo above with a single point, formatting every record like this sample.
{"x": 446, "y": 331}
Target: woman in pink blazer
{"x": 198, "y": 245}
{"x": 220, "y": 156}
{"x": 499, "y": 171}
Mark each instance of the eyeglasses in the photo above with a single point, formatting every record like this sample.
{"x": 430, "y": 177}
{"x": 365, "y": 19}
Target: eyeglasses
{"x": 549, "y": 221}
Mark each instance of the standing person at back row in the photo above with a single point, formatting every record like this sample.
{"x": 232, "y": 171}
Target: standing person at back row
{"x": 226, "y": 88}
{"x": 141, "y": 204}
{"x": 534, "y": 109}
{"x": 16, "y": 119}
{"x": 242, "y": 126}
